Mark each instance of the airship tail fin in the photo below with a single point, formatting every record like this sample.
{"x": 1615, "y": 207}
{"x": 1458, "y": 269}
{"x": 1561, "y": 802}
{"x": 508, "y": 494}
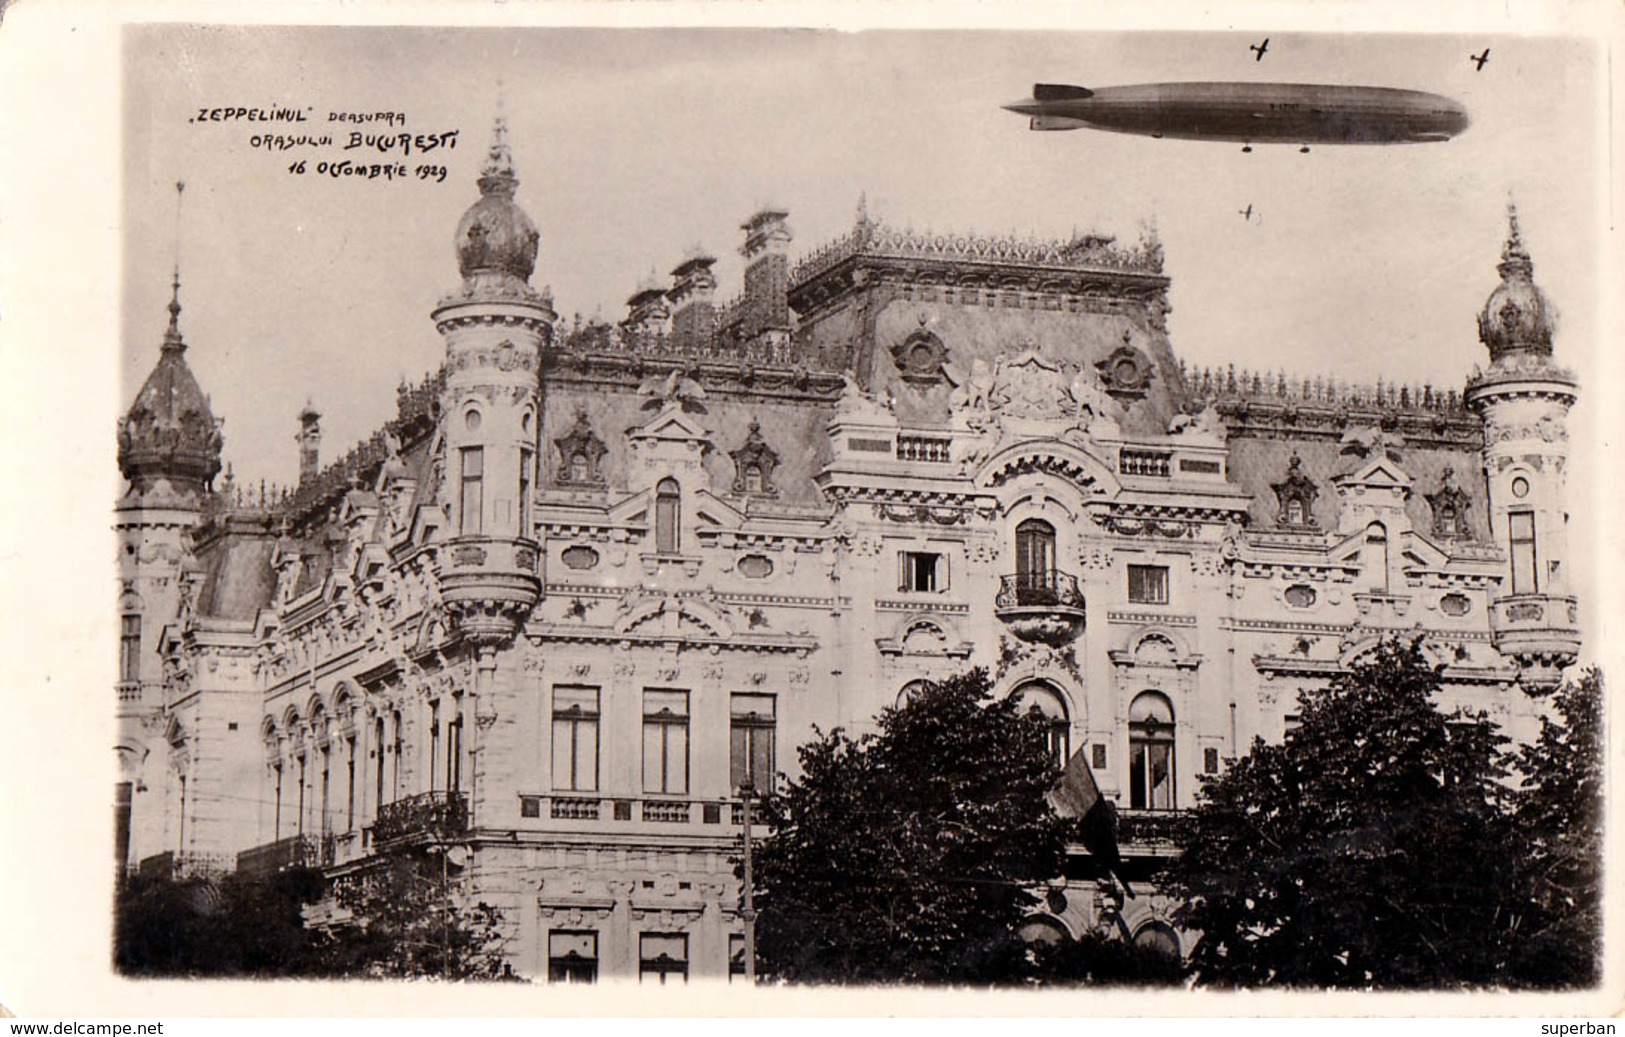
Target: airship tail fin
{"x": 1060, "y": 92}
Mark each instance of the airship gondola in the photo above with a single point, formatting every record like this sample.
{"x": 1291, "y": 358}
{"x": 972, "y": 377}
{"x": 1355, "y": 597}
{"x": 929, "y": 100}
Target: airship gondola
{"x": 1249, "y": 113}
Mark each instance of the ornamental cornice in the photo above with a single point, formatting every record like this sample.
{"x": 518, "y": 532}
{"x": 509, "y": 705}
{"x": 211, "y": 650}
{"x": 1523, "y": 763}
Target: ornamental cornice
{"x": 946, "y": 608}
{"x": 743, "y": 379}
{"x": 852, "y": 493}
{"x": 559, "y": 633}
{"x": 1151, "y": 619}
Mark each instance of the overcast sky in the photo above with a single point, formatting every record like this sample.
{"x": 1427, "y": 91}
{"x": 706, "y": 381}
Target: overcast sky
{"x": 634, "y": 146}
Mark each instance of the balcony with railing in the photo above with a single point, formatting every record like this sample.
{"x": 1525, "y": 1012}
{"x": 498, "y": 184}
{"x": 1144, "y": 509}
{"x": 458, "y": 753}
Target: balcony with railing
{"x": 294, "y": 851}
{"x": 589, "y": 813}
{"x": 924, "y": 449}
{"x": 427, "y": 817}
{"x": 192, "y": 864}
{"x": 1153, "y": 833}
{"x": 1541, "y": 630}
{"x": 1041, "y": 605}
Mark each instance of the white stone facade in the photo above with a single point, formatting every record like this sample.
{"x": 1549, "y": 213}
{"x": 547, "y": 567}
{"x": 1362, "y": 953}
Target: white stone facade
{"x": 589, "y": 577}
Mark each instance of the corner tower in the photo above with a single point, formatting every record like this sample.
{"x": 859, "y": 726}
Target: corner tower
{"x": 169, "y": 453}
{"x": 1523, "y": 399}
{"x": 495, "y": 327}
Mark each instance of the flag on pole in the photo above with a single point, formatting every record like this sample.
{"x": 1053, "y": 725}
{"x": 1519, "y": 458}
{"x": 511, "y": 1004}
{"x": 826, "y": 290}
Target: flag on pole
{"x": 1076, "y": 796}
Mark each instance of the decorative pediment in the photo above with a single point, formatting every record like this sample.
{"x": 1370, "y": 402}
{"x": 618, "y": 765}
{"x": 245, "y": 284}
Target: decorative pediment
{"x": 1049, "y": 457}
{"x": 923, "y": 634}
{"x": 753, "y": 465}
{"x": 671, "y": 425}
{"x": 1381, "y": 473}
{"x": 1295, "y": 497}
{"x": 1449, "y": 504}
{"x": 581, "y": 454}
{"x": 671, "y": 617}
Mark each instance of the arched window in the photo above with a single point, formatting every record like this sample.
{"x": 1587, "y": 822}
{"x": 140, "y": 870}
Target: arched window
{"x": 910, "y": 691}
{"x": 1035, "y": 563}
{"x": 668, "y": 513}
{"x": 1035, "y": 695}
{"x": 1159, "y": 937}
{"x": 1151, "y": 752}
{"x": 580, "y": 468}
{"x": 753, "y": 478}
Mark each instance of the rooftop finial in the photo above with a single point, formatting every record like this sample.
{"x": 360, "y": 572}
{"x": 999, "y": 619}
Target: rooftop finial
{"x": 1514, "y": 256}
{"x": 172, "y": 336}
{"x": 497, "y": 173}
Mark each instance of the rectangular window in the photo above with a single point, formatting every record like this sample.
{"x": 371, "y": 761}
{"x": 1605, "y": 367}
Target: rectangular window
{"x": 663, "y": 958}
{"x": 751, "y": 741}
{"x": 349, "y": 783}
{"x": 924, "y": 572}
{"x": 1097, "y": 756}
{"x": 524, "y": 493}
{"x": 665, "y": 742}
{"x": 129, "y": 650}
{"x": 575, "y": 739}
{"x": 1151, "y": 775}
{"x": 1521, "y": 533}
{"x": 276, "y": 810}
{"x": 530, "y": 806}
{"x": 470, "y": 519}
{"x": 736, "y": 955}
{"x": 1290, "y": 723}
{"x": 378, "y": 777}
{"x": 572, "y": 956}
{"x": 1148, "y": 584}
{"x": 454, "y": 746}
{"x": 434, "y": 741}
{"x": 1210, "y": 760}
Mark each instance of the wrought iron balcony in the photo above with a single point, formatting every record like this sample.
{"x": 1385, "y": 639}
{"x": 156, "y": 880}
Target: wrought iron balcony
{"x": 426, "y": 817}
{"x": 294, "y": 851}
{"x": 1042, "y": 605}
{"x": 1155, "y": 832}
{"x": 170, "y": 864}
{"x": 1042, "y": 588}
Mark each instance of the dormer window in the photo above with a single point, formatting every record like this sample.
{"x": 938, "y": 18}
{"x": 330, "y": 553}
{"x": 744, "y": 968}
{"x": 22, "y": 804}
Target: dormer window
{"x": 581, "y": 454}
{"x": 1449, "y": 504}
{"x": 1295, "y": 497}
{"x": 753, "y": 464}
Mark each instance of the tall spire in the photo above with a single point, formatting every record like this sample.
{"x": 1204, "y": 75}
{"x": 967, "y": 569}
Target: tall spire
{"x": 498, "y": 174}
{"x": 1514, "y": 257}
{"x": 172, "y": 336}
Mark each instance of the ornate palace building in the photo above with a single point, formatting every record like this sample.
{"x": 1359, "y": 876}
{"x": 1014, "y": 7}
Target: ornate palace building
{"x": 593, "y": 576}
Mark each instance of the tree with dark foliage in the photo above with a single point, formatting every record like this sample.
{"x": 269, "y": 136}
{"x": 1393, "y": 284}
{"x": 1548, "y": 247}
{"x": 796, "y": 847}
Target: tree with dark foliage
{"x": 1558, "y": 812}
{"x": 906, "y": 855}
{"x": 411, "y": 919}
{"x": 238, "y": 925}
{"x": 1375, "y": 848}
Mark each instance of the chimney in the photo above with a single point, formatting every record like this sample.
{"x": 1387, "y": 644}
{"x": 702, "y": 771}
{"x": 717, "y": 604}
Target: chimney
{"x": 693, "y": 299}
{"x": 767, "y": 272}
{"x": 310, "y": 442}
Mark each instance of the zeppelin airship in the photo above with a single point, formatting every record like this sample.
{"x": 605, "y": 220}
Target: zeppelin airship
{"x": 1249, "y": 113}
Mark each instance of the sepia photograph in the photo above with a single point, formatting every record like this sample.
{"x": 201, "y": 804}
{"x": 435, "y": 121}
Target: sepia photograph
{"x": 783, "y": 507}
